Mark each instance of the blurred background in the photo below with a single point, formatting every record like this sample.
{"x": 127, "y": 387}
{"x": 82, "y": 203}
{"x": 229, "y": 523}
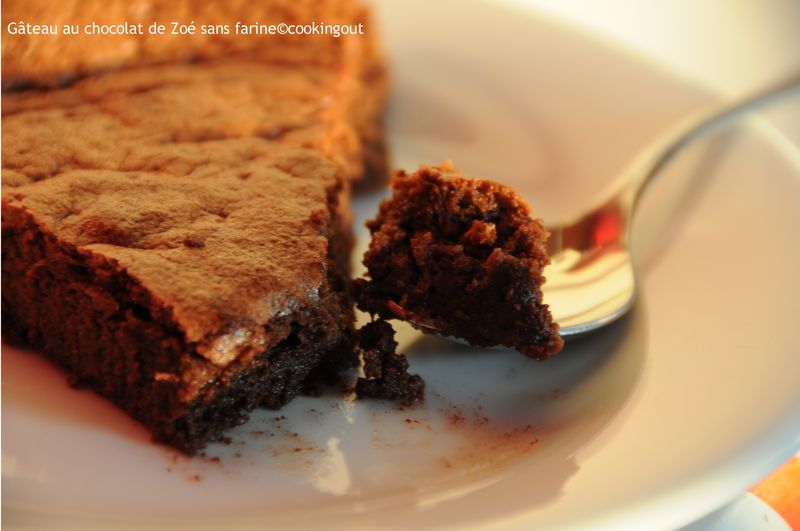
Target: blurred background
{"x": 730, "y": 46}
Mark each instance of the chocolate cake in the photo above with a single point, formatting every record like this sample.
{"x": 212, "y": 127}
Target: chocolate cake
{"x": 176, "y": 228}
{"x": 461, "y": 257}
{"x": 345, "y": 74}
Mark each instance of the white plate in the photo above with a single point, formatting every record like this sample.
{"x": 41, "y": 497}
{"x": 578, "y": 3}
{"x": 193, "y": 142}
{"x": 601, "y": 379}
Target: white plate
{"x": 650, "y": 423}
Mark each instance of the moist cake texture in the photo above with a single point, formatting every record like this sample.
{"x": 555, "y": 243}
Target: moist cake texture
{"x": 462, "y": 257}
{"x": 176, "y": 234}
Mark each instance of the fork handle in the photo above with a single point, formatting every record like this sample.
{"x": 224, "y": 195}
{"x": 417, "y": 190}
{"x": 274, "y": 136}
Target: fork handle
{"x": 651, "y": 159}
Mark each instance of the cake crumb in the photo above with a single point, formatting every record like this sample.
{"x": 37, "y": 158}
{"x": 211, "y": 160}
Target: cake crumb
{"x": 386, "y": 373}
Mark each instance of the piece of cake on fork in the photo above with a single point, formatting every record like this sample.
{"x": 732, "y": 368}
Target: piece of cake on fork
{"x": 459, "y": 256}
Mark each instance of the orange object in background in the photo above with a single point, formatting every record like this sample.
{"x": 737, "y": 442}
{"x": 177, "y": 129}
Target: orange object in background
{"x": 781, "y": 491}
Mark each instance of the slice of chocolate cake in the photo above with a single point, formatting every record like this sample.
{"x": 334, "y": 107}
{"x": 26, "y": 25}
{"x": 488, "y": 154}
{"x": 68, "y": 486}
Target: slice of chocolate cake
{"x": 187, "y": 301}
{"x": 176, "y": 233}
{"x": 461, "y": 257}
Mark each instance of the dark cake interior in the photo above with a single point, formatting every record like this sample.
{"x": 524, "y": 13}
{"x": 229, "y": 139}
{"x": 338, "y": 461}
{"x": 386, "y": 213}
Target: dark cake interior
{"x": 462, "y": 257}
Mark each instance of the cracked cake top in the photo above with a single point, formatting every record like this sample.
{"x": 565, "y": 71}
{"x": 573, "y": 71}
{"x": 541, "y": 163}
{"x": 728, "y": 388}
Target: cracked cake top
{"x": 191, "y": 178}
